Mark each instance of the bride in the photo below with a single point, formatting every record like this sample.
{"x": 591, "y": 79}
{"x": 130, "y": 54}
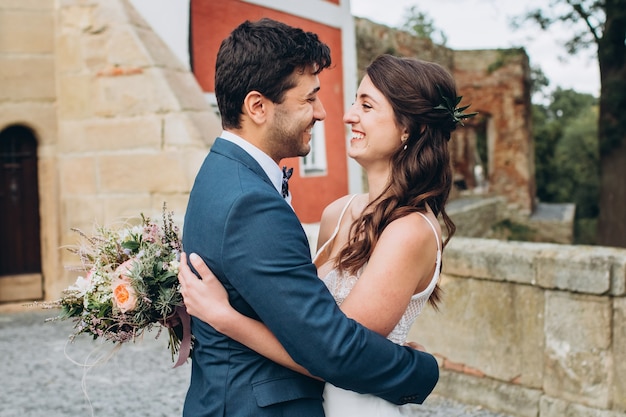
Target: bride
{"x": 379, "y": 253}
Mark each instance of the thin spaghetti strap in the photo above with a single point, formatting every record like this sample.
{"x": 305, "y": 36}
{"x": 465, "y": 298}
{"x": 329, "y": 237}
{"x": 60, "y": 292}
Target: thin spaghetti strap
{"x": 432, "y": 227}
{"x": 345, "y": 208}
{"x": 332, "y": 237}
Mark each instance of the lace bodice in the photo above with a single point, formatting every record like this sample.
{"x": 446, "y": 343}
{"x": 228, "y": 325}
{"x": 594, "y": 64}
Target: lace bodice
{"x": 340, "y": 285}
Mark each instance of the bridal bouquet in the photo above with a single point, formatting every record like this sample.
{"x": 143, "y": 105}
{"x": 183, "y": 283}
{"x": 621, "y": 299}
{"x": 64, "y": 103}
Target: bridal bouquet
{"x": 130, "y": 284}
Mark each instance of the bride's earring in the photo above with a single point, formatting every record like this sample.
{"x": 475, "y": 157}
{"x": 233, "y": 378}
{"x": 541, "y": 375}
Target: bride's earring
{"x": 403, "y": 139}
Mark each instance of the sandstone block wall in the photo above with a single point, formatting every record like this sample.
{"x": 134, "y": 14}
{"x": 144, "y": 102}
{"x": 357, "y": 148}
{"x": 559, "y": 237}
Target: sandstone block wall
{"x": 133, "y": 124}
{"x": 475, "y": 217}
{"x": 531, "y": 329}
{"x": 28, "y": 98}
{"x": 121, "y": 125}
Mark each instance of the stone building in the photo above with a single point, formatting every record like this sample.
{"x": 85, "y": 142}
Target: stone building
{"x": 98, "y": 122}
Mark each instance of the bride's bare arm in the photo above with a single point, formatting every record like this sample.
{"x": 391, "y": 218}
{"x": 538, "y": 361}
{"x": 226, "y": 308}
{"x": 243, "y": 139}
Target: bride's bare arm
{"x": 402, "y": 264}
{"x": 207, "y": 300}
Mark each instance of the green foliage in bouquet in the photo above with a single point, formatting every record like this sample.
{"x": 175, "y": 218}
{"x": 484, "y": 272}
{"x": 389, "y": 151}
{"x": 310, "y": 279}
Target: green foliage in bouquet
{"x": 130, "y": 285}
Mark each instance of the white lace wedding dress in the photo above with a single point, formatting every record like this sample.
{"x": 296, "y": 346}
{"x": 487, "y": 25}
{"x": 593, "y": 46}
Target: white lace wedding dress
{"x": 343, "y": 403}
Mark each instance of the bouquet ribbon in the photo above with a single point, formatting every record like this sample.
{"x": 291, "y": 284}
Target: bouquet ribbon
{"x": 185, "y": 344}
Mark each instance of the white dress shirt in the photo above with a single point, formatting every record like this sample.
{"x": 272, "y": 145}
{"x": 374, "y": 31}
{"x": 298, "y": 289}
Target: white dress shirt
{"x": 272, "y": 170}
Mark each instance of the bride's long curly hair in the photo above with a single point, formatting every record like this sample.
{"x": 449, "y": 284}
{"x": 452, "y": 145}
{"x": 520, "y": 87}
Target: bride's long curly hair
{"x": 421, "y": 173}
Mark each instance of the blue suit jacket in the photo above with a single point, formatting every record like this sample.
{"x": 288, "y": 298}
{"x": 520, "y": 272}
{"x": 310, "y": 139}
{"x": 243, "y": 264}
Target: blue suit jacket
{"x": 253, "y": 242}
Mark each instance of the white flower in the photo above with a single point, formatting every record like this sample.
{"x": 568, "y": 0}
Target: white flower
{"x": 174, "y": 265}
{"x": 127, "y": 234}
{"x": 82, "y": 285}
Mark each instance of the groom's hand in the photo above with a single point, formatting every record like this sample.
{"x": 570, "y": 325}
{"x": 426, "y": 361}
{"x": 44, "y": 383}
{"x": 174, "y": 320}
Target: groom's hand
{"x": 415, "y": 346}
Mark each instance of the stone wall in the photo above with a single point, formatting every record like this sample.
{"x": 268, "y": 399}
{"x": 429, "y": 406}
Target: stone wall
{"x": 491, "y": 217}
{"x": 134, "y": 126}
{"x": 374, "y": 39}
{"x": 497, "y": 83}
{"x": 122, "y": 126}
{"x": 529, "y": 329}
{"x": 28, "y": 98}
{"x": 476, "y": 216}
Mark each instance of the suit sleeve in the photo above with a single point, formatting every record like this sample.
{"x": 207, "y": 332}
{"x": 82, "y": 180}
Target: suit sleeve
{"x": 267, "y": 260}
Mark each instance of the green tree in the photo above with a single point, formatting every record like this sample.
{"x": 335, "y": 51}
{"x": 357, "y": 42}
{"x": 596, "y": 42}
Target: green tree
{"x": 566, "y": 155}
{"x": 539, "y": 81}
{"x": 577, "y": 159}
{"x": 422, "y": 25}
{"x": 567, "y": 104}
{"x": 601, "y": 24}
{"x": 546, "y": 133}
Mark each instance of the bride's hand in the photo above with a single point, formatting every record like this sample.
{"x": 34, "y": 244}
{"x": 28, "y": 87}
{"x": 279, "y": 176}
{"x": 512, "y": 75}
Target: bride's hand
{"x": 204, "y": 298}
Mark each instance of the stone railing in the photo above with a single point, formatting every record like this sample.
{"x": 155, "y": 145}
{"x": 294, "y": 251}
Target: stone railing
{"x": 531, "y": 329}
{"x": 474, "y": 217}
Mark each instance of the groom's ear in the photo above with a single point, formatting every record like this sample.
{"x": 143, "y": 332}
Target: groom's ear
{"x": 256, "y": 106}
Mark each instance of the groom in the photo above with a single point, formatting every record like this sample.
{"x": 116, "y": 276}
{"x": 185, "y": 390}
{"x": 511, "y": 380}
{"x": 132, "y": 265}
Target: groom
{"x": 267, "y": 86}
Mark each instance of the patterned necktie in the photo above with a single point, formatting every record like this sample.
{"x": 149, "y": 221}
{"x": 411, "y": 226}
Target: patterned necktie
{"x": 286, "y": 175}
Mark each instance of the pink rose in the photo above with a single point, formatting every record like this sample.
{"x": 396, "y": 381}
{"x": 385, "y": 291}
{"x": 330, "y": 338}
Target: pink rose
{"x": 124, "y": 295}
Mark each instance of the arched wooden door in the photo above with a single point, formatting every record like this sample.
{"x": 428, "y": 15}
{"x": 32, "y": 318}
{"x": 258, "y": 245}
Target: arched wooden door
{"x": 20, "y": 256}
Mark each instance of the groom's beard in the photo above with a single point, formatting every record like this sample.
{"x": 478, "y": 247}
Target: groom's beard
{"x": 290, "y": 137}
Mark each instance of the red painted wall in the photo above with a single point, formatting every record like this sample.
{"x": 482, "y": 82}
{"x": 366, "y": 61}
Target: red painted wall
{"x": 211, "y": 22}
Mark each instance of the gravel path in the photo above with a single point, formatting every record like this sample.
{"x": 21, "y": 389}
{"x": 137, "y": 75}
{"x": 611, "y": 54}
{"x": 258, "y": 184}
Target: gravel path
{"x": 44, "y": 376}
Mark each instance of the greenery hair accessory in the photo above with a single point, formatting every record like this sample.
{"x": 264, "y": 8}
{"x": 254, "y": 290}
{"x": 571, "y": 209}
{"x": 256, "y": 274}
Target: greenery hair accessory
{"x": 456, "y": 113}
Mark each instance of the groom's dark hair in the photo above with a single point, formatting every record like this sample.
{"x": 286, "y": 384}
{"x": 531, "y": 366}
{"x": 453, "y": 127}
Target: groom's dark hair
{"x": 262, "y": 56}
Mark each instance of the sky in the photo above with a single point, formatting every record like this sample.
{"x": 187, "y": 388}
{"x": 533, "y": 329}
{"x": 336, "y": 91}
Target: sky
{"x": 484, "y": 24}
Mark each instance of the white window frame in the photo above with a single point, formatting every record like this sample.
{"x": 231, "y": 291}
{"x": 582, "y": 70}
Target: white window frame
{"x": 315, "y": 164}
